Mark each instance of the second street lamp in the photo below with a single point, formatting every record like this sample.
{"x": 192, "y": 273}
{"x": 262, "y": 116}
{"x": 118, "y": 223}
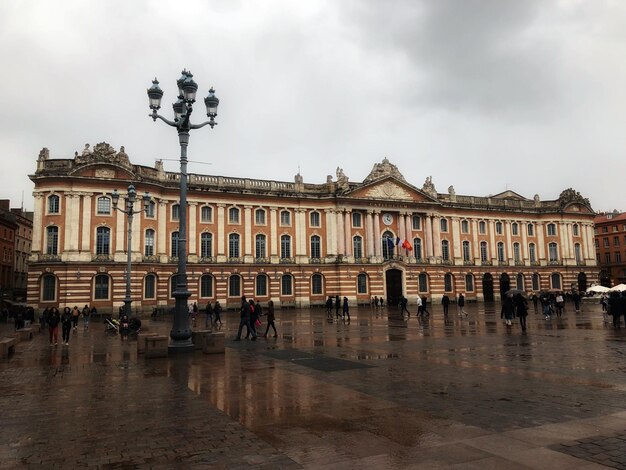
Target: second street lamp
{"x": 130, "y": 211}
{"x": 187, "y": 88}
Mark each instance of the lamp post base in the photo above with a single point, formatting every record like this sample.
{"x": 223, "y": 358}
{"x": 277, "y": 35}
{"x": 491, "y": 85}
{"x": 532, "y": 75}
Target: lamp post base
{"x": 180, "y": 346}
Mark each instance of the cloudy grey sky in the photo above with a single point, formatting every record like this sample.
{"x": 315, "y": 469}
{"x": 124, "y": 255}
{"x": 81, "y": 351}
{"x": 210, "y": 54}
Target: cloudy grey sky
{"x": 482, "y": 95}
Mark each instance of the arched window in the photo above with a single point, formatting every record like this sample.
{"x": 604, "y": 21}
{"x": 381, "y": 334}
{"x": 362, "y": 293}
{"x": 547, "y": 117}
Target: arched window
{"x": 500, "y": 247}
{"x": 575, "y": 231}
{"x": 520, "y": 282}
{"x": 516, "y": 252}
{"x": 388, "y": 244}
{"x": 484, "y": 256}
{"x": 361, "y": 283}
{"x": 314, "y": 219}
{"x": 286, "y": 283}
{"x": 148, "y": 248}
{"x": 285, "y": 246}
{"x": 316, "y": 284}
{"x": 530, "y": 228}
{"x": 101, "y": 287}
{"x": 259, "y": 246}
{"x": 206, "y": 286}
{"x": 555, "y": 280}
{"x": 553, "y": 252}
{"x": 285, "y": 218}
{"x": 233, "y": 215}
{"x": 417, "y": 248}
{"x": 206, "y": 214}
{"x": 53, "y": 204}
{"x": 233, "y": 245}
{"x": 48, "y": 288}
{"x": 532, "y": 253}
{"x": 422, "y": 282}
{"x": 52, "y": 240}
{"x": 174, "y": 244}
{"x": 316, "y": 251}
{"x": 445, "y": 250}
{"x": 261, "y": 285}
{"x": 464, "y": 226}
{"x": 536, "y": 282}
{"x": 357, "y": 247}
{"x": 103, "y": 205}
{"x": 149, "y": 287}
{"x": 259, "y": 217}
{"x": 103, "y": 240}
{"x": 175, "y": 211}
{"x": 447, "y": 282}
{"x": 467, "y": 253}
{"x": 206, "y": 245}
{"x": 482, "y": 227}
{"x": 469, "y": 283}
{"x": 234, "y": 286}
{"x": 150, "y": 210}
{"x": 444, "y": 225}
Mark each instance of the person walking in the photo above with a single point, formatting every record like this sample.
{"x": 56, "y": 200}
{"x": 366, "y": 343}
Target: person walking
{"x": 54, "y": 318}
{"x": 424, "y": 306}
{"x": 337, "y": 306}
{"x": 85, "y": 314}
{"x": 576, "y": 299}
{"x": 329, "y": 309}
{"x": 66, "y": 325}
{"x": 535, "y": 300}
{"x": 244, "y": 319}
{"x": 445, "y": 301}
{"x": 403, "y": 303}
{"x": 420, "y": 311}
{"x": 508, "y": 309}
{"x": 560, "y": 303}
{"x": 346, "y": 309}
{"x": 217, "y": 311}
{"x": 615, "y": 308}
{"x": 209, "y": 315}
{"x": 521, "y": 310}
{"x": 75, "y": 315}
{"x": 254, "y": 319}
{"x": 461, "y": 305}
{"x": 271, "y": 317}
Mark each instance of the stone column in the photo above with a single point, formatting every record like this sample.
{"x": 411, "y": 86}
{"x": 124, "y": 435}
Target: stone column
{"x": 221, "y": 230}
{"x": 38, "y": 229}
{"x": 273, "y": 235}
{"x": 456, "y": 239}
{"x": 330, "y": 235}
{"x": 541, "y": 244}
{"x": 493, "y": 254}
{"x": 119, "y": 251}
{"x": 437, "y": 235}
{"x": 585, "y": 241}
{"x": 192, "y": 232}
{"x": 408, "y": 227}
{"x": 85, "y": 244}
{"x": 348, "y": 233}
{"x": 369, "y": 234}
{"x": 378, "y": 250}
{"x": 67, "y": 238}
{"x": 247, "y": 237}
{"x": 162, "y": 235}
{"x": 509, "y": 243}
{"x": 428, "y": 236}
{"x": 475, "y": 241}
{"x": 401, "y": 229}
{"x": 136, "y": 235}
{"x": 570, "y": 241}
{"x": 525, "y": 255}
{"x": 341, "y": 241}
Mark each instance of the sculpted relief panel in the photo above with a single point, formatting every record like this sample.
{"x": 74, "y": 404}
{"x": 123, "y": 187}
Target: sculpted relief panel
{"x": 389, "y": 190}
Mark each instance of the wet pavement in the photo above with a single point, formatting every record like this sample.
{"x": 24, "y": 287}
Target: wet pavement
{"x": 378, "y": 392}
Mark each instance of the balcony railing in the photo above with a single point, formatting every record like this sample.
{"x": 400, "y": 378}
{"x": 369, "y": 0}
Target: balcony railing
{"x": 150, "y": 259}
{"x": 49, "y": 258}
{"x": 207, "y": 259}
{"x": 234, "y": 260}
{"x": 101, "y": 258}
{"x": 486, "y": 263}
{"x": 535, "y": 263}
{"x": 261, "y": 260}
{"x": 287, "y": 260}
{"x": 556, "y": 262}
{"x": 468, "y": 262}
{"x": 315, "y": 260}
{"x": 503, "y": 263}
{"x": 519, "y": 262}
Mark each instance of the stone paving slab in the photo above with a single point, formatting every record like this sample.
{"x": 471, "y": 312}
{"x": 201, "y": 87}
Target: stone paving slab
{"x": 378, "y": 392}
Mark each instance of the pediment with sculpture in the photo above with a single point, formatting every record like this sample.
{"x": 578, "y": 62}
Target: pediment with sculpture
{"x": 390, "y": 189}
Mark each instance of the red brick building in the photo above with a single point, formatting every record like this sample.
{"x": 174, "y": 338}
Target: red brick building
{"x": 8, "y": 227}
{"x": 610, "y": 240}
{"x": 294, "y": 242}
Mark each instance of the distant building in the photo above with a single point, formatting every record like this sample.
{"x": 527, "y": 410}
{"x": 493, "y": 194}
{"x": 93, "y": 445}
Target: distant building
{"x": 294, "y": 242}
{"x": 610, "y": 240}
{"x": 16, "y": 228}
{"x": 8, "y": 228}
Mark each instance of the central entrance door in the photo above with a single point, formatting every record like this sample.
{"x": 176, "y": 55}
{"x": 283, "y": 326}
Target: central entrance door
{"x": 393, "y": 278}
{"x": 488, "y": 287}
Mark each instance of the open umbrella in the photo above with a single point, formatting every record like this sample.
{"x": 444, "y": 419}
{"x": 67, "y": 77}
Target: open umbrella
{"x": 515, "y": 292}
{"x": 618, "y": 288}
{"x": 598, "y": 289}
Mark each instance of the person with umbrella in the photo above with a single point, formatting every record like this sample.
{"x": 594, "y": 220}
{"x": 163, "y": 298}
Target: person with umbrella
{"x": 521, "y": 310}
{"x": 508, "y": 309}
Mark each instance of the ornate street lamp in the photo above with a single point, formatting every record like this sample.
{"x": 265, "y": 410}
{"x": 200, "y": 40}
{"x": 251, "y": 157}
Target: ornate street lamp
{"x": 130, "y": 211}
{"x": 187, "y": 88}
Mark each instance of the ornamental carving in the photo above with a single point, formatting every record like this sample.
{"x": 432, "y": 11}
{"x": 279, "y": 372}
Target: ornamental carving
{"x": 102, "y": 152}
{"x": 388, "y": 190}
{"x": 383, "y": 169}
{"x": 105, "y": 173}
{"x": 570, "y": 196}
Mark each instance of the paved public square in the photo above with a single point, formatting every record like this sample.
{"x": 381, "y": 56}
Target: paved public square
{"x": 378, "y": 392}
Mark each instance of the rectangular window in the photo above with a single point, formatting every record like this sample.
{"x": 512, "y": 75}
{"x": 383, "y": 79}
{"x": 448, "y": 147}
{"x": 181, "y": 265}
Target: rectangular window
{"x": 618, "y": 257}
{"x": 514, "y": 229}
{"x": 233, "y": 215}
{"x": 259, "y": 217}
{"x": 149, "y": 289}
{"x": 444, "y": 225}
{"x": 315, "y": 219}
{"x": 261, "y": 285}
{"x": 616, "y": 241}
{"x": 285, "y": 218}
{"x": 104, "y": 206}
{"x": 499, "y": 228}
{"x": 356, "y": 219}
{"x": 286, "y": 284}
{"x": 206, "y": 214}
{"x": 607, "y": 258}
{"x": 417, "y": 222}
{"x": 316, "y": 284}
{"x": 361, "y": 284}
{"x": 150, "y": 210}
{"x": 482, "y": 227}
{"x": 606, "y": 242}
{"x": 464, "y": 226}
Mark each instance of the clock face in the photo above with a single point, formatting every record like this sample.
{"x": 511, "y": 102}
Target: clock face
{"x": 387, "y": 219}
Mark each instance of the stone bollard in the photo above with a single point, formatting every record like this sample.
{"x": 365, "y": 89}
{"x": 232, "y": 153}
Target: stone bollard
{"x": 214, "y": 344}
{"x": 199, "y": 338}
{"x": 141, "y": 342}
{"x": 156, "y": 346}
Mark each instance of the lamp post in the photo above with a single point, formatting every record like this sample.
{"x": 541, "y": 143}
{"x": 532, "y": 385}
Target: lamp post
{"x": 183, "y": 107}
{"x": 130, "y": 211}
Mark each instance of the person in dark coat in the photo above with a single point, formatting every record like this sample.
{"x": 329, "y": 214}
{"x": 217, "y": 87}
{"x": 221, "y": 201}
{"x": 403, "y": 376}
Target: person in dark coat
{"x": 66, "y": 325}
{"x": 329, "y": 308}
{"x": 461, "y": 304}
{"x": 615, "y": 308}
{"x": 271, "y": 317}
{"x": 508, "y": 309}
{"x": 445, "y": 301}
{"x": 54, "y": 318}
{"x": 244, "y": 319}
{"x": 337, "y": 306}
{"x": 346, "y": 309}
{"x": 209, "y": 315}
{"x": 254, "y": 317}
{"x": 576, "y": 299}
{"x": 521, "y": 310}
{"x": 217, "y": 311}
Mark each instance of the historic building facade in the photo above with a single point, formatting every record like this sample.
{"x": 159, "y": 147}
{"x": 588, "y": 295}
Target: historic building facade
{"x": 610, "y": 233}
{"x": 16, "y": 226}
{"x": 294, "y": 242}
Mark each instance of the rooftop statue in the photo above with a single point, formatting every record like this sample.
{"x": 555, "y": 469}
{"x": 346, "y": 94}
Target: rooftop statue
{"x": 383, "y": 169}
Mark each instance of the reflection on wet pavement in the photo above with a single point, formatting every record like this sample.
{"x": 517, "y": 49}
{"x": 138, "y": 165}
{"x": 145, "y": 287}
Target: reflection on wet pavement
{"x": 381, "y": 391}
